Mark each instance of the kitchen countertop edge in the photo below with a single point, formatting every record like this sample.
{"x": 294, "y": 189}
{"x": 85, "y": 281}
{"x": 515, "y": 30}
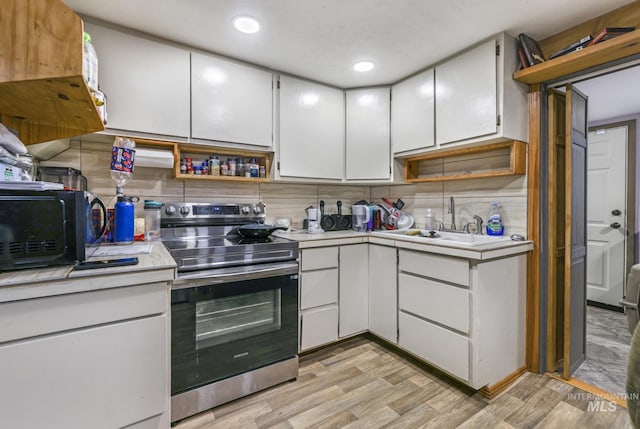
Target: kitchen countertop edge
{"x": 156, "y": 266}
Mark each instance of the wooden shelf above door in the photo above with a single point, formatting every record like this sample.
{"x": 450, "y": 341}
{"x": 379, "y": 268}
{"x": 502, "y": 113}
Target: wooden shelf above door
{"x": 491, "y": 160}
{"x": 614, "y": 49}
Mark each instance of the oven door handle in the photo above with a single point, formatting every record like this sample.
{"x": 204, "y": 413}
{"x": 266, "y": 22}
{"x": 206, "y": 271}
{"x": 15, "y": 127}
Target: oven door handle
{"x": 235, "y": 276}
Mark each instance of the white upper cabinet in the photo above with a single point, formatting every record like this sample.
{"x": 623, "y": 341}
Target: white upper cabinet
{"x": 311, "y": 141}
{"x": 476, "y": 98}
{"x": 146, "y": 82}
{"x": 412, "y": 113}
{"x": 367, "y": 134}
{"x": 230, "y": 102}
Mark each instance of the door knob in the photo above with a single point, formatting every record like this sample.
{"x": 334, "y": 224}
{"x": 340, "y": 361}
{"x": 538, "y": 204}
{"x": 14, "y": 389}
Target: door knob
{"x": 616, "y": 212}
{"x": 615, "y": 225}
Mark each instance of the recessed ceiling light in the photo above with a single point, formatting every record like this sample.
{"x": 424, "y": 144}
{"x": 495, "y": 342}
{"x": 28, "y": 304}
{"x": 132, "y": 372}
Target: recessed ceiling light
{"x": 246, "y": 24}
{"x": 363, "y": 66}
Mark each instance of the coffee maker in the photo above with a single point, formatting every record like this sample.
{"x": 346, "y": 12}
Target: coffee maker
{"x": 313, "y": 221}
{"x": 360, "y": 216}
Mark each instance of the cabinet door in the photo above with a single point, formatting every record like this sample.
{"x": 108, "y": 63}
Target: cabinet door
{"x": 146, "y": 82}
{"x": 230, "y": 102}
{"x": 466, "y": 95}
{"x": 383, "y": 292}
{"x": 109, "y": 376}
{"x": 412, "y": 113}
{"x": 354, "y": 289}
{"x": 367, "y": 129}
{"x": 311, "y": 130}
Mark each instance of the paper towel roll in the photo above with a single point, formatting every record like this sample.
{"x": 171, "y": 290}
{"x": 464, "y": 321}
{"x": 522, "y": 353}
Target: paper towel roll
{"x": 157, "y": 158}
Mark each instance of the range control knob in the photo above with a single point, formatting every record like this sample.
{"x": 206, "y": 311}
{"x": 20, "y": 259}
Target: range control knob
{"x": 246, "y": 210}
{"x": 170, "y": 210}
{"x": 184, "y": 210}
{"x": 257, "y": 209}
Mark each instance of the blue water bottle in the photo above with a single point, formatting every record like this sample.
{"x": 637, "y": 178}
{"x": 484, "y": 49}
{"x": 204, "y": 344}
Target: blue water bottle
{"x": 124, "y": 220}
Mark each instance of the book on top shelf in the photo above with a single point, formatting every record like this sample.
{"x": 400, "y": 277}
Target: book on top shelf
{"x": 575, "y": 46}
{"x": 609, "y": 33}
{"x": 531, "y": 49}
{"x": 523, "y": 59}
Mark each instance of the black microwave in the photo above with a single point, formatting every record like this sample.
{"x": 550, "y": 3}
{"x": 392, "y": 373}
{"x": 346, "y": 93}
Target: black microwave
{"x": 46, "y": 228}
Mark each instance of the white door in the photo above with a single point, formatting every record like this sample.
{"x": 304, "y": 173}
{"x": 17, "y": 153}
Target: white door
{"x": 606, "y": 215}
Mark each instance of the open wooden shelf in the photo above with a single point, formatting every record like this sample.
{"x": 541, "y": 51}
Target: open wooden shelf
{"x": 492, "y": 160}
{"x": 614, "y": 49}
{"x": 204, "y": 151}
{"x": 42, "y": 90}
{"x": 263, "y": 158}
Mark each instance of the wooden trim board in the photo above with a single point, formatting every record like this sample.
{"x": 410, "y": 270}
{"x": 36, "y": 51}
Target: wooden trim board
{"x": 589, "y": 388}
{"x": 491, "y": 392}
{"x": 533, "y": 231}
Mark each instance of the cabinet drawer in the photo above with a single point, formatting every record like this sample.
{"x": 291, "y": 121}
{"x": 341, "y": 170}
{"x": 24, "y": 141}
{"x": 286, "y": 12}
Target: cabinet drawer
{"x": 438, "y": 346}
{"x": 32, "y": 317}
{"x": 439, "y": 302}
{"x": 454, "y": 270}
{"x": 318, "y": 326}
{"x": 318, "y": 288}
{"x": 315, "y": 259}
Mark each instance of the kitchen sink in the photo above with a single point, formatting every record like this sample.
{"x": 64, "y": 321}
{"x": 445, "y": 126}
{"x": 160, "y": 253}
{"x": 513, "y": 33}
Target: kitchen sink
{"x": 450, "y": 238}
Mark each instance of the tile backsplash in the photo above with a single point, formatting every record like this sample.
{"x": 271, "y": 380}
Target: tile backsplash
{"x": 291, "y": 199}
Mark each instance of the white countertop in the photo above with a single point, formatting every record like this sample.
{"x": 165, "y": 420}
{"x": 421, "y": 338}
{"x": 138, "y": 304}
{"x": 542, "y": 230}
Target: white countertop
{"x": 487, "y": 251}
{"x": 156, "y": 266}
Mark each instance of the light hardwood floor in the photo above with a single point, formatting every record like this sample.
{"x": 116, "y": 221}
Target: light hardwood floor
{"x": 365, "y": 384}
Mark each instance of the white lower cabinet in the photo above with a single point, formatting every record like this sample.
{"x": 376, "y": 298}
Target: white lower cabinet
{"x": 354, "y": 289}
{"x": 463, "y": 316}
{"x": 92, "y": 359}
{"x": 334, "y": 296}
{"x": 466, "y": 317}
{"x": 383, "y": 292}
{"x": 318, "y": 297}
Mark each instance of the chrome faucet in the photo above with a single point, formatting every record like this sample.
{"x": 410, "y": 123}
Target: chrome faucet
{"x": 452, "y": 211}
{"x": 478, "y": 225}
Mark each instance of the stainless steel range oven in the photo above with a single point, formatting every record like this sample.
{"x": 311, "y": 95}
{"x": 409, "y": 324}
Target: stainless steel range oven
{"x": 234, "y": 306}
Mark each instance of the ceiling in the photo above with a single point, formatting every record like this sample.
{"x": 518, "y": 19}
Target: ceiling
{"x": 612, "y": 95}
{"x": 322, "y": 39}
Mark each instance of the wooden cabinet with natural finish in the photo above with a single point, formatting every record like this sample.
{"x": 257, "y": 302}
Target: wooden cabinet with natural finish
{"x": 498, "y": 159}
{"x": 42, "y": 91}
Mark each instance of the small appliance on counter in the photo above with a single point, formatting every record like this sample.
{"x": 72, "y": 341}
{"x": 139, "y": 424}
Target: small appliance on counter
{"x": 334, "y": 222}
{"x": 47, "y": 228}
{"x": 313, "y": 220}
{"x": 360, "y": 216}
{"x": 71, "y": 178}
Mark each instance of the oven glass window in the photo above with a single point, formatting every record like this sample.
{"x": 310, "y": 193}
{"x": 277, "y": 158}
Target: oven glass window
{"x": 227, "y": 319}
